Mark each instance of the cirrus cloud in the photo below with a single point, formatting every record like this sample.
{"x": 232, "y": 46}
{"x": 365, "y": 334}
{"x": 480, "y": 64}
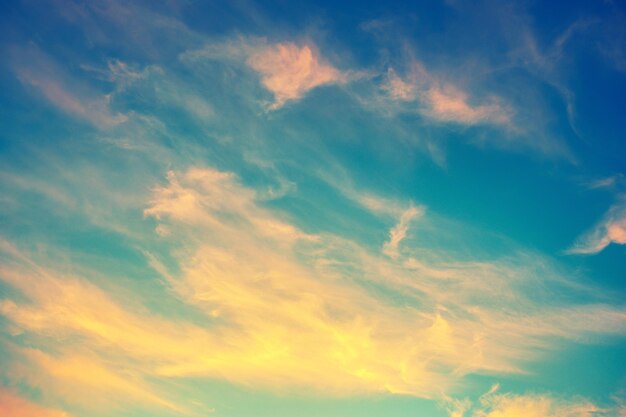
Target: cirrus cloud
{"x": 611, "y": 229}
{"x": 444, "y": 102}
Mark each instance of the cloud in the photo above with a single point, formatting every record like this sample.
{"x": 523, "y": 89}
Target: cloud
{"x": 611, "y": 229}
{"x": 64, "y": 307}
{"x": 32, "y": 67}
{"x": 289, "y": 70}
{"x": 245, "y": 292}
{"x": 612, "y": 182}
{"x": 497, "y": 404}
{"x": 442, "y": 101}
{"x": 89, "y": 382}
{"x": 508, "y": 405}
{"x": 399, "y": 89}
{"x": 338, "y": 178}
{"x": 398, "y": 232}
{"x": 276, "y": 281}
{"x": 281, "y": 309}
{"x": 12, "y": 405}
{"x": 156, "y": 33}
{"x": 506, "y": 91}
{"x": 451, "y": 105}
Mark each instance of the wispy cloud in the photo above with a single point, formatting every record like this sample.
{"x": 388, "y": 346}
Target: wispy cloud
{"x": 442, "y": 101}
{"x": 153, "y": 34}
{"x": 496, "y": 404}
{"x": 251, "y": 281}
{"x": 13, "y": 405}
{"x": 64, "y": 306}
{"x": 283, "y": 309}
{"x": 450, "y": 104}
{"x": 250, "y": 289}
{"x": 86, "y": 380}
{"x": 611, "y": 229}
{"x": 289, "y": 70}
{"x": 33, "y": 68}
{"x": 398, "y": 232}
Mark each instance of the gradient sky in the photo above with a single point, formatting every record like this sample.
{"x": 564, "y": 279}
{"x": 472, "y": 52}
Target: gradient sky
{"x": 292, "y": 209}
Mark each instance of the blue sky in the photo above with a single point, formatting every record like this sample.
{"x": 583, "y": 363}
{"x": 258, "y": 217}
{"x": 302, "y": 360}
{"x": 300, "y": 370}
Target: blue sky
{"x": 311, "y": 209}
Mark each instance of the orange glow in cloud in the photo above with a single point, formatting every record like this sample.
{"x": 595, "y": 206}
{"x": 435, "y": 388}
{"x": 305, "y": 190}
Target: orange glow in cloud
{"x": 12, "y": 405}
{"x": 289, "y": 71}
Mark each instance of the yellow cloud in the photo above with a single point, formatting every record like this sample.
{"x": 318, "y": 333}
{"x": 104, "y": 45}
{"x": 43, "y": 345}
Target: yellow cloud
{"x": 535, "y": 406}
{"x": 12, "y": 405}
{"x": 283, "y": 309}
{"x": 87, "y": 381}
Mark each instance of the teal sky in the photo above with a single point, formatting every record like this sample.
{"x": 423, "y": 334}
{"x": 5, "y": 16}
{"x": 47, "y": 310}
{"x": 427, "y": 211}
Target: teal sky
{"x": 304, "y": 209}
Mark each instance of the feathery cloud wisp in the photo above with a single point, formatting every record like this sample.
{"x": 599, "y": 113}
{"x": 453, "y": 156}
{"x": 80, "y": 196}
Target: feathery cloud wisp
{"x": 611, "y": 229}
{"x": 503, "y": 405}
{"x": 443, "y": 101}
{"x": 398, "y": 232}
{"x": 34, "y": 68}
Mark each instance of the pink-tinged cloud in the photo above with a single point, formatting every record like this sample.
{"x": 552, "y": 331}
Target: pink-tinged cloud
{"x": 398, "y": 88}
{"x": 93, "y": 110}
{"x": 289, "y": 71}
{"x": 33, "y": 68}
{"x": 442, "y": 101}
{"x": 12, "y": 405}
{"x": 611, "y": 229}
{"x": 451, "y": 105}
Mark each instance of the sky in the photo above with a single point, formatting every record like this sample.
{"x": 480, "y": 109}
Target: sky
{"x": 312, "y": 209}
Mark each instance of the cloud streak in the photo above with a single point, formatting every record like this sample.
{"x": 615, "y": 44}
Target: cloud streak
{"x": 496, "y": 404}
{"x": 398, "y": 232}
{"x": 611, "y": 229}
{"x": 35, "y": 69}
{"x": 443, "y": 102}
